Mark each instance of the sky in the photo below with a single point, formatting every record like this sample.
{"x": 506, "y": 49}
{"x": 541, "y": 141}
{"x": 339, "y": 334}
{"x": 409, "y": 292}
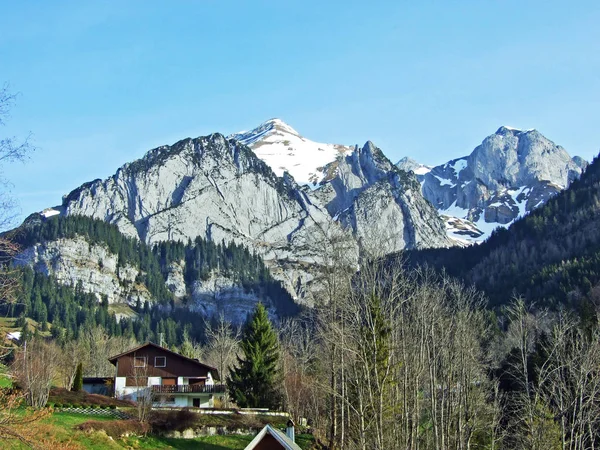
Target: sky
{"x": 101, "y": 82}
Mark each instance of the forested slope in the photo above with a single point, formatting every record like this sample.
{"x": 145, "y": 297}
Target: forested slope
{"x": 67, "y": 308}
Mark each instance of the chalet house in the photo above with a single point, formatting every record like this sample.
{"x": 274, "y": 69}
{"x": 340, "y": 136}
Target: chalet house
{"x": 270, "y": 438}
{"x": 152, "y": 372}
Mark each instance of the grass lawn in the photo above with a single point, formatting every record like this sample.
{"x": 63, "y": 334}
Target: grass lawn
{"x": 58, "y": 431}
{"x": 5, "y": 380}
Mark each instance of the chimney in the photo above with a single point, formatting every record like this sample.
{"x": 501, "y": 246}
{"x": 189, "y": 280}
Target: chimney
{"x": 289, "y": 431}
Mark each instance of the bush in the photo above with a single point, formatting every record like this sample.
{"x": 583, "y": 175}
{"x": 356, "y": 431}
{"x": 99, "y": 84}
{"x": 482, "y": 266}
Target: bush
{"x": 58, "y": 405}
{"x": 173, "y": 420}
{"x": 116, "y": 428}
{"x": 112, "y": 406}
{"x": 78, "y": 381}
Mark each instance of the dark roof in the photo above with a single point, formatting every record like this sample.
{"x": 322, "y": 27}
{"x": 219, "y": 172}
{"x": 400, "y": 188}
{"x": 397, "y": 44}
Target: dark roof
{"x": 95, "y": 380}
{"x": 113, "y": 360}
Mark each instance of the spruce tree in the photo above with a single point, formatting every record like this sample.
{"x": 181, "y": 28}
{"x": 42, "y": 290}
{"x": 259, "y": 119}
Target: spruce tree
{"x": 78, "y": 381}
{"x": 254, "y": 383}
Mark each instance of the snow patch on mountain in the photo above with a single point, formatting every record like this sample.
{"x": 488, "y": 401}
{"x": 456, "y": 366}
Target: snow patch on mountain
{"x": 285, "y": 150}
{"x": 410, "y": 165}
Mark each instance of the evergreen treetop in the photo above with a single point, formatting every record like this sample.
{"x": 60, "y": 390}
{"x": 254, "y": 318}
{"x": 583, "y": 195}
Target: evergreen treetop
{"x": 255, "y": 381}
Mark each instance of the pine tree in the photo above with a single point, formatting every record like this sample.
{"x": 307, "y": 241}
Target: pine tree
{"x": 254, "y": 383}
{"x": 78, "y": 381}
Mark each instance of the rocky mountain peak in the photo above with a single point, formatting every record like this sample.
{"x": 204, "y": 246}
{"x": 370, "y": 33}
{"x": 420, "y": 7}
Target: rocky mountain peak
{"x": 264, "y": 130}
{"x": 285, "y": 150}
{"x": 506, "y": 130}
{"x": 509, "y": 174}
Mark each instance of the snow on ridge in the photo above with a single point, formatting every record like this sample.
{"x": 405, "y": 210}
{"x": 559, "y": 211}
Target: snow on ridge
{"x": 49, "y": 212}
{"x": 459, "y": 165}
{"x": 285, "y": 150}
{"x": 422, "y": 170}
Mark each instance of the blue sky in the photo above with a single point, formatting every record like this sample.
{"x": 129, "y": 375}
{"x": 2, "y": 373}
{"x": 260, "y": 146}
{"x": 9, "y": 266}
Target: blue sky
{"x": 100, "y": 83}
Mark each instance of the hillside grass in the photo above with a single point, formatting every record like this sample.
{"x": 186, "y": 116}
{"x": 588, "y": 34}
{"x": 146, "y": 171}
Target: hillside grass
{"x": 5, "y": 379}
{"x": 60, "y": 431}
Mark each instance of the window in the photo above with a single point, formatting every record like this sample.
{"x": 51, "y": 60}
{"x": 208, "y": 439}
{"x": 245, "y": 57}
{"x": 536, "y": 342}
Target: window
{"x": 167, "y": 399}
{"x": 160, "y": 361}
{"x": 139, "y": 361}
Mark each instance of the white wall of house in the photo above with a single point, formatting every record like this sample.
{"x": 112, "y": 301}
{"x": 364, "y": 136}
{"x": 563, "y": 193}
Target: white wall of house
{"x": 131, "y": 392}
{"x": 119, "y": 386}
{"x": 204, "y": 401}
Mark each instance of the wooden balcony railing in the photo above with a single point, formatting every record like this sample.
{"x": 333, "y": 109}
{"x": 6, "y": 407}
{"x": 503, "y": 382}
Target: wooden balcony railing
{"x": 188, "y": 389}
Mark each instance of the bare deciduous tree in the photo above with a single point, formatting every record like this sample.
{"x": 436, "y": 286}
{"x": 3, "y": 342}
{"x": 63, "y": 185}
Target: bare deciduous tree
{"x": 35, "y": 368}
{"x": 222, "y": 347}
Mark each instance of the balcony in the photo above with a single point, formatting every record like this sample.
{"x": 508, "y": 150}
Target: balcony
{"x": 188, "y": 389}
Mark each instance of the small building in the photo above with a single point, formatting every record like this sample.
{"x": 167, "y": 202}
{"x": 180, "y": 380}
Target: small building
{"x": 154, "y": 373}
{"x": 98, "y": 385}
{"x": 270, "y": 438}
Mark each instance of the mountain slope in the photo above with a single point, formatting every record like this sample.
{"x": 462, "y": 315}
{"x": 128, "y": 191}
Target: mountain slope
{"x": 92, "y": 256}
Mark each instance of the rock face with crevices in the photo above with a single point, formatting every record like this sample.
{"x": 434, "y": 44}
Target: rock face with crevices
{"x": 508, "y": 175}
{"x": 75, "y": 262}
{"x": 218, "y": 189}
{"x": 380, "y": 203}
{"x": 210, "y": 187}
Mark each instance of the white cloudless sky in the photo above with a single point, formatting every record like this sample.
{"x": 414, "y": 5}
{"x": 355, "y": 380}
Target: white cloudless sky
{"x": 102, "y": 82}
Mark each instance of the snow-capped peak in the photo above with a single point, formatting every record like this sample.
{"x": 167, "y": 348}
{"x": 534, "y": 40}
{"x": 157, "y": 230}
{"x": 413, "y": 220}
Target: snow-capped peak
{"x": 269, "y": 127}
{"x": 285, "y": 150}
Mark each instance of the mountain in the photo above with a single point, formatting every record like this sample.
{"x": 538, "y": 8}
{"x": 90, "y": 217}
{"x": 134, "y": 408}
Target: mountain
{"x": 508, "y": 175}
{"x": 217, "y": 189}
{"x": 213, "y": 188}
{"x": 94, "y": 257}
{"x": 550, "y": 257}
{"x": 359, "y": 186}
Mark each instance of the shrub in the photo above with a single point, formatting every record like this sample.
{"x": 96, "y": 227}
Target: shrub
{"x": 116, "y": 428}
{"x": 58, "y": 405}
{"x": 112, "y": 406}
{"x": 173, "y": 420}
{"x": 78, "y": 381}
